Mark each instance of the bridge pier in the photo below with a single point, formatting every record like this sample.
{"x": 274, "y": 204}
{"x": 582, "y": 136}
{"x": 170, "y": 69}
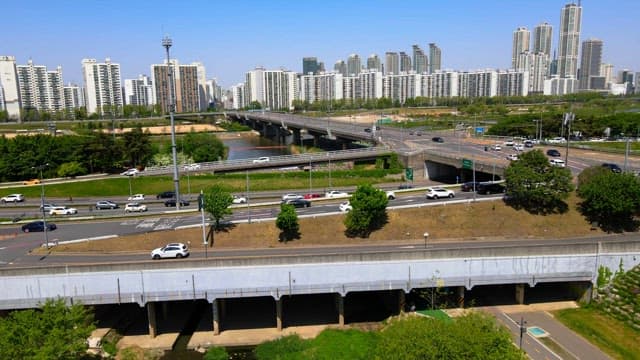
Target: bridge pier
{"x": 461, "y": 291}
{"x": 520, "y": 294}
{"x": 216, "y": 317}
{"x": 402, "y": 301}
{"x": 151, "y": 316}
{"x": 340, "y": 305}
{"x": 279, "y": 314}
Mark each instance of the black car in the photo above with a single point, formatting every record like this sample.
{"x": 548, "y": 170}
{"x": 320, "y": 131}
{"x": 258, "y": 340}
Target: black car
{"x": 367, "y": 130}
{"x": 437, "y": 139}
{"x": 172, "y": 202}
{"x": 613, "y": 167}
{"x": 405, "y": 186}
{"x": 553, "y": 152}
{"x": 38, "y": 226}
{"x": 166, "y": 195}
{"x": 299, "y": 203}
{"x": 469, "y": 186}
{"x": 489, "y": 188}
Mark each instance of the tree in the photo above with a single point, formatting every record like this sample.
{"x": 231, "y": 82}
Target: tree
{"x": 287, "y": 222}
{"x": 203, "y": 147}
{"x": 535, "y": 185}
{"x": 216, "y": 203}
{"x": 369, "y": 211}
{"x": 56, "y": 331}
{"x": 71, "y": 169}
{"x": 610, "y": 198}
{"x": 137, "y": 147}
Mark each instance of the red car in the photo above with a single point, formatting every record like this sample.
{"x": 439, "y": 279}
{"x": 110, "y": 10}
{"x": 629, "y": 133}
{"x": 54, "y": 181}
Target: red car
{"x": 312, "y": 196}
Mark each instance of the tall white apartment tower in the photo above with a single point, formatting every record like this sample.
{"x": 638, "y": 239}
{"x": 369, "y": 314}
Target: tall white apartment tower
{"x": 73, "y": 97}
{"x": 420, "y": 61}
{"x": 139, "y": 91}
{"x": 391, "y": 63}
{"x": 40, "y": 89}
{"x": 542, "y": 39}
{"x": 354, "y": 65}
{"x": 9, "y": 85}
{"x": 435, "y": 55}
{"x": 569, "y": 41}
{"x": 521, "y": 38}
{"x": 103, "y": 89}
{"x": 373, "y": 63}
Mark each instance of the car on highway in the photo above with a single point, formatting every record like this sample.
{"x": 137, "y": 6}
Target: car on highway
{"x": 345, "y": 207}
{"x": 437, "y": 139}
{"x": 512, "y": 157}
{"x": 518, "y": 147}
{"x": 299, "y": 203}
{"x": 469, "y": 186}
{"x": 405, "y": 186}
{"x": 38, "y": 226}
{"x": 557, "y": 162}
{"x": 509, "y": 143}
{"x": 496, "y": 147}
{"x": 106, "y": 204}
{"x": 31, "y": 182}
{"x": 312, "y": 196}
{"x": 239, "y": 199}
{"x": 390, "y": 195}
{"x": 336, "y": 194}
{"x": 172, "y": 202}
{"x": 136, "y": 197}
{"x": 14, "y": 198}
{"x": 528, "y": 143}
{"x": 47, "y": 206}
{"x": 260, "y": 160}
{"x": 438, "y": 192}
{"x": 489, "y": 188}
{"x": 553, "y": 152}
{"x": 368, "y": 130}
{"x": 130, "y": 172}
{"x": 63, "y": 210}
{"x": 557, "y": 140}
{"x": 166, "y": 195}
{"x": 135, "y": 207}
{"x": 613, "y": 167}
{"x": 171, "y": 250}
{"x": 287, "y": 197}
{"x": 192, "y": 167}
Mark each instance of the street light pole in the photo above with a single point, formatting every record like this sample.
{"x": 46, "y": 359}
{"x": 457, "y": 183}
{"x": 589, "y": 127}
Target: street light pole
{"x": 44, "y": 213}
{"x": 523, "y": 329}
{"x": 166, "y": 42}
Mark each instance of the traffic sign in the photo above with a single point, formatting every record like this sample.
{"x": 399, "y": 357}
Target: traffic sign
{"x": 408, "y": 173}
{"x": 467, "y": 164}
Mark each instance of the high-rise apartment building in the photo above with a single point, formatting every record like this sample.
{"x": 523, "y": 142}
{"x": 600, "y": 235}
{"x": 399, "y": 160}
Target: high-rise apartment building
{"x": 237, "y": 94}
{"x": 440, "y": 84}
{"x": 513, "y": 83}
{"x": 341, "y": 67}
{"x": 481, "y": 83}
{"x": 569, "y": 40}
{"x": 521, "y": 38}
{"x": 186, "y": 86}
{"x": 273, "y": 89}
{"x": 420, "y": 61}
{"x": 103, "y": 89}
{"x": 537, "y": 67}
{"x": 354, "y": 65}
{"x": 435, "y": 58}
{"x": 73, "y": 97}
{"x": 374, "y": 63}
{"x": 606, "y": 70}
{"x": 560, "y": 86}
{"x": 542, "y": 36}
{"x": 590, "y": 63}
{"x": 405, "y": 62}
{"x": 139, "y": 91}
{"x": 399, "y": 88}
{"x": 371, "y": 85}
{"x": 391, "y": 63}
{"x": 310, "y": 65}
{"x": 40, "y": 89}
{"x": 321, "y": 87}
{"x": 9, "y": 85}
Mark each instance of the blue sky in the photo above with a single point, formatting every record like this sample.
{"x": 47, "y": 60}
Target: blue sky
{"x": 232, "y": 37}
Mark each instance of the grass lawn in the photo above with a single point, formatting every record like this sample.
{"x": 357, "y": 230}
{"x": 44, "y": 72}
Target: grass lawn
{"x": 612, "y": 336}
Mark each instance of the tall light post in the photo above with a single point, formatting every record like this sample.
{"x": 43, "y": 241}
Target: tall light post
{"x": 166, "y": 43}
{"x": 44, "y": 213}
{"x": 568, "y": 119}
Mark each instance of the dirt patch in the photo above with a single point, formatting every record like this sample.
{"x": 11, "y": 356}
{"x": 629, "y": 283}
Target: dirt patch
{"x": 445, "y": 223}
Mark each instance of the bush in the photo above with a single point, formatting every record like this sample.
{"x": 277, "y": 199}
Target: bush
{"x": 216, "y": 353}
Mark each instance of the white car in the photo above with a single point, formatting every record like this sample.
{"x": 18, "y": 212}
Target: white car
{"x": 14, "y": 198}
{"x": 260, "y": 160}
{"x": 172, "y": 250}
{"x": 391, "y": 195}
{"x": 287, "y": 197}
{"x": 192, "y": 167}
{"x": 130, "y": 172}
{"x": 63, "y": 210}
{"x": 518, "y": 147}
{"x": 557, "y": 140}
{"x": 345, "y": 207}
{"x": 512, "y": 157}
{"x": 239, "y": 199}
{"x": 136, "y": 197}
{"x": 509, "y": 143}
{"x": 496, "y": 147}
{"x": 135, "y": 207}
{"x": 437, "y": 192}
{"x": 557, "y": 162}
{"x": 336, "y": 194}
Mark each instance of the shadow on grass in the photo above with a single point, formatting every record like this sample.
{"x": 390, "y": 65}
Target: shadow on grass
{"x": 376, "y": 223}
{"x": 538, "y": 208}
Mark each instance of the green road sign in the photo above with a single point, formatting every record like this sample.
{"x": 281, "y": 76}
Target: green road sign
{"x": 408, "y": 173}
{"x": 467, "y": 164}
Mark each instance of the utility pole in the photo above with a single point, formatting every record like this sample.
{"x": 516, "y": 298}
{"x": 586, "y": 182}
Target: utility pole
{"x": 166, "y": 43}
{"x": 568, "y": 118}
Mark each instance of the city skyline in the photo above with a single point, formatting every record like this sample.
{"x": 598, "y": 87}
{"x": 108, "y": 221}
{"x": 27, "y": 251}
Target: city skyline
{"x": 280, "y": 36}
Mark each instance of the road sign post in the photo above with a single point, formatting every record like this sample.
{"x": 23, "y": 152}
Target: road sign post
{"x": 408, "y": 173}
{"x": 467, "y": 164}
